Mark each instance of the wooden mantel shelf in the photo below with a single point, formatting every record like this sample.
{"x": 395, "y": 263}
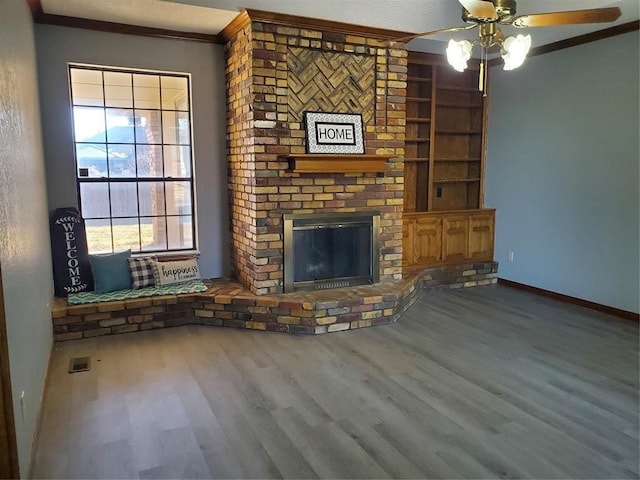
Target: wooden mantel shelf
{"x": 337, "y": 163}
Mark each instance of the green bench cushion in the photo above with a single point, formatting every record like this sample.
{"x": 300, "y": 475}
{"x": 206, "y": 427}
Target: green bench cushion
{"x": 192, "y": 286}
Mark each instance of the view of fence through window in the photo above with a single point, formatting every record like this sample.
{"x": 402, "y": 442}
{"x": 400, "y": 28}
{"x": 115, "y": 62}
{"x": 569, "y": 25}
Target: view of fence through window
{"x": 132, "y": 132}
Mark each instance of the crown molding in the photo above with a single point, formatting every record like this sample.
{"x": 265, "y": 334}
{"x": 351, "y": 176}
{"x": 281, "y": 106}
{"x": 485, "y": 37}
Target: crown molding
{"x": 249, "y": 15}
{"x": 75, "y": 22}
{"x": 579, "y": 40}
{"x": 238, "y": 23}
{"x": 317, "y": 24}
{"x": 586, "y": 38}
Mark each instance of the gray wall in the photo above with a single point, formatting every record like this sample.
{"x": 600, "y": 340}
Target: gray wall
{"x": 25, "y": 255}
{"x": 562, "y": 171}
{"x": 57, "y": 46}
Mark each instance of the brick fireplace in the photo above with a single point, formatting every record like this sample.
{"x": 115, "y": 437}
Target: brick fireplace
{"x": 276, "y": 69}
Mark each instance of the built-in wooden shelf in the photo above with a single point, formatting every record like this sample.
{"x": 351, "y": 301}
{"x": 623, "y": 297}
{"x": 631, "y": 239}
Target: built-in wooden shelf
{"x": 456, "y": 180}
{"x": 444, "y": 175}
{"x": 447, "y": 131}
{"x": 458, "y": 105}
{"x": 419, "y": 99}
{"x": 337, "y": 163}
{"x": 418, "y": 79}
{"x": 453, "y": 88}
{"x": 416, "y": 159}
{"x": 456, "y": 159}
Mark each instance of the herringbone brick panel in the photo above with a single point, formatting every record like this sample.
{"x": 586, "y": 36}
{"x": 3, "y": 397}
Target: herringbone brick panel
{"x": 330, "y": 82}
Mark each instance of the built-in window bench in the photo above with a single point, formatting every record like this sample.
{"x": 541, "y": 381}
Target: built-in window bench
{"x": 227, "y": 303}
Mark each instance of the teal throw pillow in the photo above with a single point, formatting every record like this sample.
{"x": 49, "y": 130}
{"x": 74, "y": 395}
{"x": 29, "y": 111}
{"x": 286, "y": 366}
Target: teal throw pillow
{"x": 111, "y": 271}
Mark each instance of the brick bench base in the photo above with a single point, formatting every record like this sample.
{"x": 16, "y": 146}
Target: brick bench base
{"x": 228, "y": 304}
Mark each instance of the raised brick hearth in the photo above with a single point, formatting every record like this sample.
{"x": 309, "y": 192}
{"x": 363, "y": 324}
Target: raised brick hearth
{"x": 229, "y": 304}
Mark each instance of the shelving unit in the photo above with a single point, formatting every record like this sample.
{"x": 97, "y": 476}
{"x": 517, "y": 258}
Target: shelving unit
{"x": 444, "y": 164}
{"x": 444, "y": 144}
{"x": 419, "y": 134}
{"x": 459, "y": 135}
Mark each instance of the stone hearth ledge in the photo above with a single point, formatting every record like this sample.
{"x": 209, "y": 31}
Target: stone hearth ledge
{"x": 229, "y": 304}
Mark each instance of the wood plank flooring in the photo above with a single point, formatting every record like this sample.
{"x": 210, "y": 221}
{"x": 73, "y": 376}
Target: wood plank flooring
{"x": 478, "y": 383}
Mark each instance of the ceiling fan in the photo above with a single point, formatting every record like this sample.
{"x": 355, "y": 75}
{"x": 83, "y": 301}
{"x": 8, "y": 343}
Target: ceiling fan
{"x": 488, "y": 16}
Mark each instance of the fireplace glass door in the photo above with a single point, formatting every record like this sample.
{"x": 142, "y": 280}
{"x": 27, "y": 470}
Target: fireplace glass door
{"x": 331, "y": 250}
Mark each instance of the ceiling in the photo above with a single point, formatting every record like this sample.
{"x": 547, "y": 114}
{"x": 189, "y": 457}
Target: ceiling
{"x": 211, "y": 16}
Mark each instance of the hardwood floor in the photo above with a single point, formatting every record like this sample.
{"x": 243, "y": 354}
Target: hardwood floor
{"x": 477, "y": 383}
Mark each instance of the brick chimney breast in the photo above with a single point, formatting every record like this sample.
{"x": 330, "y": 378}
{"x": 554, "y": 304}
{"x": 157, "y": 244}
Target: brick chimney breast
{"x": 274, "y": 73}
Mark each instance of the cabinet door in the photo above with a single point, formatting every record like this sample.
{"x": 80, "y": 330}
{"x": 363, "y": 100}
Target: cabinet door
{"x": 481, "y": 228}
{"x": 428, "y": 240}
{"x": 455, "y": 238}
{"x": 408, "y": 258}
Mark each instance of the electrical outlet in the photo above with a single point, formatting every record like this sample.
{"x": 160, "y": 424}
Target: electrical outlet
{"x": 23, "y": 406}
{"x": 510, "y": 256}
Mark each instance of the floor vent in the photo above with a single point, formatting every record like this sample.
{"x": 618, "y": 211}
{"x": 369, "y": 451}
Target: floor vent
{"x": 79, "y": 364}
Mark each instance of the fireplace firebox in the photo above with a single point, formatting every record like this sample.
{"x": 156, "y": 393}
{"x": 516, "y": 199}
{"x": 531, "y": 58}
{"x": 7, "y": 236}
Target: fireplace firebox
{"x": 331, "y": 250}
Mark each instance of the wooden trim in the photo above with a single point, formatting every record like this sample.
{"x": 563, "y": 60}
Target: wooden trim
{"x": 323, "y": 25}
{"x": 289, "y": 20}
{"x": 635, "y": 317}
{"x": 439, "y": 213}
{"x": 9, "y": 466}
{"x": 36, "y": 9}
{"x": 123, "y": 28}
{"x": 587, "y": 38}
{"x": 579, "y": 40}
{"x": 37, "y": 429}
{"x": 432, "y": 140}
{"x": 238, "y": 23}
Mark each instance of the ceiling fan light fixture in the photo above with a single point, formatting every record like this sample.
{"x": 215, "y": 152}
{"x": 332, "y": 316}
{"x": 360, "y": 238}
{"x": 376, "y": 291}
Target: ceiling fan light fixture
{"x": 514, "y": 51}
{"x": 458, "y": 54}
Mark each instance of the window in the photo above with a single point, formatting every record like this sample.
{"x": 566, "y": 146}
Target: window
{"x": 132, "y": 136}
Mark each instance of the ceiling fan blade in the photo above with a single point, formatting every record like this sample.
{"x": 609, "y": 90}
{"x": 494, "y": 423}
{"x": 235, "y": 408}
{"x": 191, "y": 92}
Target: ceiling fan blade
{"x": 434, "y": 32}
{"x": 597, "y": 15}
{"x": 480, "y": 8}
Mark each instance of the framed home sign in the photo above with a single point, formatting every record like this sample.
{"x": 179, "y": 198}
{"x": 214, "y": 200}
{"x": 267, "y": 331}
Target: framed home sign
{"x": 334, "y": 132}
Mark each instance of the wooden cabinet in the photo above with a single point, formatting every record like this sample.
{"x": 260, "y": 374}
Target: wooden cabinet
{"x": 481, "y": 232}
{"x": 441, "y": 238}
{"x": 422, "y": 240}
{"x": 444, "y": 222}
{"x": 455, "y": 238}
{"x": 445, "y": 137}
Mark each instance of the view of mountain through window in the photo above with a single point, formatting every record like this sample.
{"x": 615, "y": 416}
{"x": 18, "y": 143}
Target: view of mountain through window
{"x": 132, "y": 135}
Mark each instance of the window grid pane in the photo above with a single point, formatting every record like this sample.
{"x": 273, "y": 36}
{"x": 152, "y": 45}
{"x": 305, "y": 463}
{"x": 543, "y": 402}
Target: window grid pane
{"x": 132, "y": 133}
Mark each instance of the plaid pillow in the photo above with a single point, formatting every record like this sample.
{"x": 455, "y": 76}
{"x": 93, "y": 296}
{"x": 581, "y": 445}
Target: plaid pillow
{"x": 141, "y": 272}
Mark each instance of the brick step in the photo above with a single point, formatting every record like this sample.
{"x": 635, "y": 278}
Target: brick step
{"x": 229, "y": 304}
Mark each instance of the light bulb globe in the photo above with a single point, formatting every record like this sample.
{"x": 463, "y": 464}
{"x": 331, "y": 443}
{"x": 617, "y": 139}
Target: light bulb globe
{"x": 458, "y": 54}
{"x": 514, "y": 51}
